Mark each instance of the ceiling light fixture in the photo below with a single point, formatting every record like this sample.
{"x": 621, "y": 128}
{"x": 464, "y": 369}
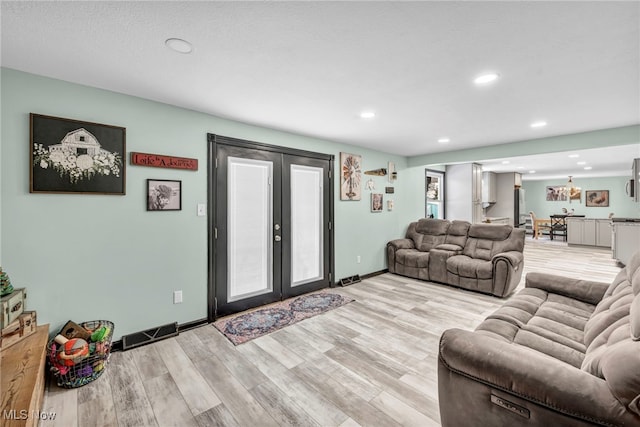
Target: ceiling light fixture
{"x": 538, "y": 124}
{"x": 486, "y": 78}
{"x": 574, "y": 156}
{"x": 179, "y": 45}
{"x": 444, "y": 140}
{"x": 581, "y": 163}
{"x": 505, "y": 162}
{"x": 532, "y": 171}
{"x": 588, "y": 168}
{"x": 367, "y": 115}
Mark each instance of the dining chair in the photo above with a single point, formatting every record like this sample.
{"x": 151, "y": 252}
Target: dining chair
{"x": 539, "y": 224}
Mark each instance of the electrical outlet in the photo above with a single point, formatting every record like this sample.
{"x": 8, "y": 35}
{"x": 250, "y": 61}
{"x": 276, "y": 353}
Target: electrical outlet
{"x": 358, "y": 259}
{"x": 177, "y": 297}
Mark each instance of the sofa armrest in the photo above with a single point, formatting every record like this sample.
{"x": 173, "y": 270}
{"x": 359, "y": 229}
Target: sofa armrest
{"x": 582, "y": 290}
{"x": 401, "y": 244}
{"x": 529, "y": 375}
{"x": 512, "y": 257}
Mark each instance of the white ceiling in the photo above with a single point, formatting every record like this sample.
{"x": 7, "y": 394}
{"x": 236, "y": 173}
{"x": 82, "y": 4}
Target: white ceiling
{"x": 311, "y": 67}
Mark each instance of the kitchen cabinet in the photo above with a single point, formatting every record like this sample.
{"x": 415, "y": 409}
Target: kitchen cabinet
{"x": 463, "y": 192}
{"x": 588, "y": 231}
{"x": 625, "y": 240}
{"x": 489, "y": 187}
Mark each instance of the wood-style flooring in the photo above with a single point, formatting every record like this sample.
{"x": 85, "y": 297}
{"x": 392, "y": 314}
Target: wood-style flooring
{"x": 370, "y": 363}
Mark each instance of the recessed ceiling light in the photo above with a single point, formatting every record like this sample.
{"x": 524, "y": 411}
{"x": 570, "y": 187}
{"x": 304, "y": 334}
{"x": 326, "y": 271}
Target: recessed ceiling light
{"x": 444, "y": 140}
{"x": 588, "y": 168}
{"x": 367, "y": 115}
{"x": 520, "y": 167}
{"x": 532, "y": 171}
{"x": 486, "y": 78}
{"x": 505, "y": 162}
{"x": 538, "y": 124}
{"x": 581, "y": 163}
{"x": 179, "y": 45}
{"x": 574, "y": 156}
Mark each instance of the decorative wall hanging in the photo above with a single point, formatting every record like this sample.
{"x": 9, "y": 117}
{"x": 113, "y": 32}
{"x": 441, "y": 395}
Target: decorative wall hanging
{"x": 557, "y": 193}
{"x": 71, "y": 156}
{"x": 162, "y": 161}
{"x": 376, "y": 202}
{"x": 393, "y": 174}
{"x": 350, "y": 176}
{"x": 597, "y": 198}
{"x": 377, "y": 172}
{"x": 371, "y": 185}
{"x": 164, "y": 195}
{"x": 389, "y": 190}
{"x": 389, "y": 205}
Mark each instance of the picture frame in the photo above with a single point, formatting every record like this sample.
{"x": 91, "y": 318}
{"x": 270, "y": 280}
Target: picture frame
{"x": 596, "y": 198}
{"x": 556, "y": 193}
{"x": 164, "y": 195}
{"x": 377, "y": 202}
{"x": 70, "y": 156}
{"x": 350, "y": 176}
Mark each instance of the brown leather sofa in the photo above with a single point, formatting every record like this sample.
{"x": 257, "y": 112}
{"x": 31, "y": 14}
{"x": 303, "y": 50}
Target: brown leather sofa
{"x": 485, "y": 258}
{"x": 561, "y": 352}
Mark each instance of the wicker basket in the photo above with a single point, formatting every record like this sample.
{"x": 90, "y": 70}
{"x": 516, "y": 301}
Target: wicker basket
{"x": 88, "y": 368}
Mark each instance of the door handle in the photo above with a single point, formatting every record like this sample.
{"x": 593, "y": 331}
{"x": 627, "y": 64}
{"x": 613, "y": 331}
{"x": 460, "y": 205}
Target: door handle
{"x": 277, "y": 238}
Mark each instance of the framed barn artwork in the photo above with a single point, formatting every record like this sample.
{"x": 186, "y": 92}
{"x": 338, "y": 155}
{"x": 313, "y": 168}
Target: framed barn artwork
{"x": 75, "y": 157}
{"x": 350, "y": 176}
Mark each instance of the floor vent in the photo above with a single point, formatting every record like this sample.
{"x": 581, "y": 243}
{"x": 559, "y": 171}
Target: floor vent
{"x": 350, "y": 280}
{"x": 150, "y": 335}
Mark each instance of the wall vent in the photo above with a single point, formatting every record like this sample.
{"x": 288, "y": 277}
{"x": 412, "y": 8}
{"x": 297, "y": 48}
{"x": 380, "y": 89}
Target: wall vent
{"x": 350, "y": 280}
{"x": 137, "y": 339}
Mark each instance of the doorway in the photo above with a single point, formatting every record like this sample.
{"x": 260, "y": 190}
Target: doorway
{"x": 270, "y": 223}
{"x": 434, "y": 194}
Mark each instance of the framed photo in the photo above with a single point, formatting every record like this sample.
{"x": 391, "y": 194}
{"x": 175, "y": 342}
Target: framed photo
{"x": 376, "y": 202}
{"x": 597, "y": 198}
{"x": 350, "y": 176}
{"x": 164, "y": 195}
{"x": 75, "y": 157}
{"x": 556, "y": 193}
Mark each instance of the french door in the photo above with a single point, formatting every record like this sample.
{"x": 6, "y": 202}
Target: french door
{"x": 270, "y": 226}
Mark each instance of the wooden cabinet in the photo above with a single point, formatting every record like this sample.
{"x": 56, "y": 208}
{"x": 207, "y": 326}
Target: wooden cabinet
{"x": 589, "y": 232}
{"x": 463, "y": 192}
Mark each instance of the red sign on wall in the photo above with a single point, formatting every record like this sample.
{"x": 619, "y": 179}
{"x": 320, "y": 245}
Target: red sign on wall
{"x": 160, "y": 161}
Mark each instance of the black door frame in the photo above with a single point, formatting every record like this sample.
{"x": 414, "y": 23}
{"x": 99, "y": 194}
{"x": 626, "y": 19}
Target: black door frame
{"x": 213, "y": 141}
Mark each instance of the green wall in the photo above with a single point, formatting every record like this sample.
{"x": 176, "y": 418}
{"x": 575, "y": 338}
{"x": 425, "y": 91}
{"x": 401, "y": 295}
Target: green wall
{"x": 619, "y": 203}
{"x": 85, "y": 257}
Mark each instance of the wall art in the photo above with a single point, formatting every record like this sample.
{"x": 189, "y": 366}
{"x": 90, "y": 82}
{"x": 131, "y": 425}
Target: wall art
{"x": 597, "y": 198}
{"x": 72, "y": 156}
{"x": 164, "y": 195}
{"x": 162, "y": 161}
{"x": 556, "y": 193}
{"x": 350, "y": 176}
{"x": 376, "y": 202}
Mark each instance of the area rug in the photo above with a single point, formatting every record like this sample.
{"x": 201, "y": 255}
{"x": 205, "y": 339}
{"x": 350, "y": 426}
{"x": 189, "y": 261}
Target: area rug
{"x": 243, "y": 327}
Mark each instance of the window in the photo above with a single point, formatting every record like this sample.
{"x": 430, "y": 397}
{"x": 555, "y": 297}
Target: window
{"x": 434, "y": 194}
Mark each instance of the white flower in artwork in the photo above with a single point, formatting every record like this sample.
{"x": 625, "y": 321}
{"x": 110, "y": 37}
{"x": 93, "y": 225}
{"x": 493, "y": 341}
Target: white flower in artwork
{"x": 56, "y": 157}
{"x": 44, "y": 164}
{"x": 84, "y": 162}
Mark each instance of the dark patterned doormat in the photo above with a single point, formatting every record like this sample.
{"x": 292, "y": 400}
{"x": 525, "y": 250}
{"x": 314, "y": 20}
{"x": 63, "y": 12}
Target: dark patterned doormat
{"x": 243, "y": 327}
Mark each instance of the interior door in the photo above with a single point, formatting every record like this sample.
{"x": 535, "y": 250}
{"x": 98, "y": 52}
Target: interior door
{"x": 271, "y": 229}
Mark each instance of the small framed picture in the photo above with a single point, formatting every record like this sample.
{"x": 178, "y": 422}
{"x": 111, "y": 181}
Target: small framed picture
{"x": 597, "y": 198}
{"x": 164, "y": 195}
{"x": 376, "y": 202}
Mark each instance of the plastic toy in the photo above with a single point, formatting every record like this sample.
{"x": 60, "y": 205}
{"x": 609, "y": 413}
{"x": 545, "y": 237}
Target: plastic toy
{"x": 71, "y": 351}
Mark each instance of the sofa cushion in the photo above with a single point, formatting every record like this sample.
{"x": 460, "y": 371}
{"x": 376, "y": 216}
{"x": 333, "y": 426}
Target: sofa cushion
{"x": 465, "y": 266}
{"x": 414, "y": 235}
{"x": 412, "y": 258}
{"x": 457, "y": 233}
{"x": 434, "y": 233}
{"x": 549, "y": 323}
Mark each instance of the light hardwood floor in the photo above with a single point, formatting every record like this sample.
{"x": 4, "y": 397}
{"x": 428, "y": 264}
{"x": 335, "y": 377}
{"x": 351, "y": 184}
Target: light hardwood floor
{"x": 369, "y": 363}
